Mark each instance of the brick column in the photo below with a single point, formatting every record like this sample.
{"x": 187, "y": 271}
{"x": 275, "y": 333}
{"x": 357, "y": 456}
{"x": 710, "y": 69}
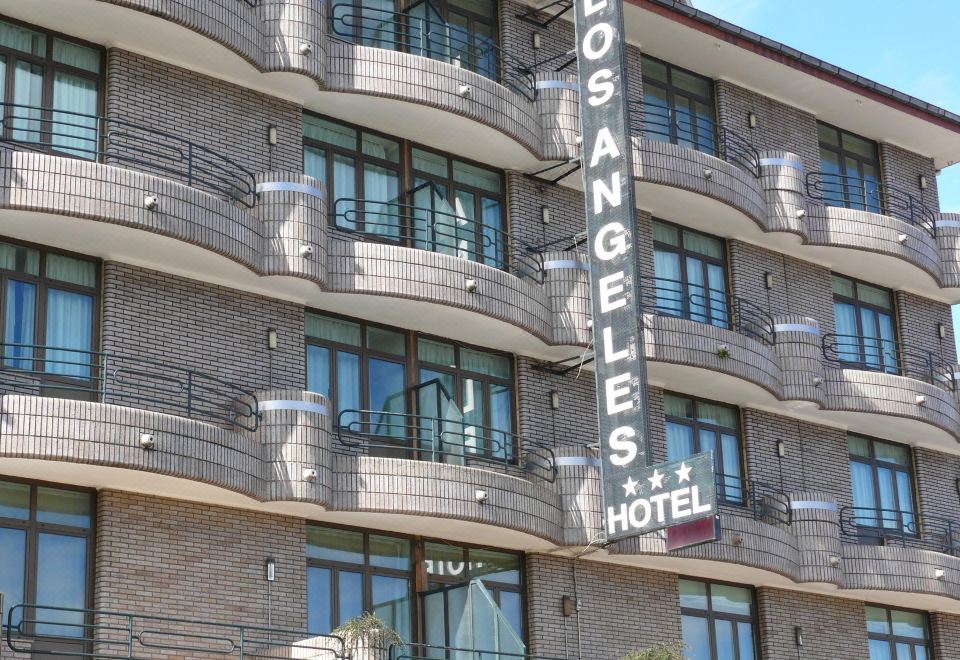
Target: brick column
{"x": 558, "y": 104}
{"x": 293, "y": 215}
{"x": 781, "y": 177}
{"x": 798, "y": 344}
{"x": 578, "y": 483}
{"x": 566, "y": 279}
{"x": 816, "y": 526}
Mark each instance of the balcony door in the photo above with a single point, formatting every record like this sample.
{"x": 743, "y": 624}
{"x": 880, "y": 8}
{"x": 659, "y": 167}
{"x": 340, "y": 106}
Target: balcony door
{"x": 851, "y": 170}
{"x": 678, "y": 106}
{"x": 866, "y": 334}
{"x": 881, "y": 474}
{"x": 690, "y": 275}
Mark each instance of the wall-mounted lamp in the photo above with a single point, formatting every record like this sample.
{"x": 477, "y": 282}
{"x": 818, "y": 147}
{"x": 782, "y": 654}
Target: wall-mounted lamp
{"x": 798, "y": 636}
{"x": 147, "y": 441}
{"x": 470, "y": 285}
{"x": 834, "y": 561}
{"x": 801, "y": 213}
{"x": 902, "y": 238}
{"x": 310, "y": 475}
{"x": 272, "y": 339}
{"x": 781, "y": 448}
{"x": 737, "y": 539}
{"x": 942, "y": 331}
{"x": 150, "y": 202}
{"x": 545, "y": 214}
{"x": 923, "y": 182}
{"x": 272, "y": 134}
{"x": 752, "y": 120}
{"x": 465, "y": 91}
{"x": 305, "y": 49}
{"x": 921, "y": 400}
{"x": 940, "y": 574}
{"x": 708, "y": 174}
{"x": 768, "y": 280}
{"x": 537, "y": 41}
{"x": 480, "y": 495}
{"x": 817, "y": 381}
{"x": 271, "y": 569}
{"x": 555, "y": 400}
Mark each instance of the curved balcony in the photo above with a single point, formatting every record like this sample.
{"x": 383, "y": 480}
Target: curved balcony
{"x": 411, "y": 67}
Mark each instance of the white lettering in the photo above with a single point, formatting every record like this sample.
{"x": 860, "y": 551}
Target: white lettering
{"x": 611, "y": 193}
{"x": 695, "y": 496}
{"x": 609, "y": 354}
{"x": 680, "y": 503}
{"x": 606, "y": 40}
{"x": 601, "y": 85}
{"x": 590, "y": 7}
{"x": 604, "y": 145}
{"x": 618, "y": 442}
{"x": 659, "y": 500}
{"x": 616, "y": 245}
{"x": 608, "y": 288}
{"x": 615, "y": 391}
{"x": 639, "y": 522}
{"x": 613, "y": 518}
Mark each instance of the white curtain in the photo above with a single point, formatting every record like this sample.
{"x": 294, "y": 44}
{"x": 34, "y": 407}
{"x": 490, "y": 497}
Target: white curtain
{"x": 381, "y": 192}
{"x": 21, "y": 311}
{"x": 69, "y": 327}
{"x": 73, "y": 133}
{"x": 28, "y": 92}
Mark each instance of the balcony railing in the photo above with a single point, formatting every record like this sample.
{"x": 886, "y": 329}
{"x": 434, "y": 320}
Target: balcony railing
{"x": 430, "y": 652}
{"x": 125, "y": 380}
{"x": 872, "y": 526}
{"x": 668, "y": 297}
{"x": 698, "y": 132}
{"x": 114, "y": 141}
{"x": 888, "y": 356}
{"x": 864, "y": 194}
{"x": 106, "y": 635}
{"x": 421, "y": 30}
{"x": 753, "y": 499}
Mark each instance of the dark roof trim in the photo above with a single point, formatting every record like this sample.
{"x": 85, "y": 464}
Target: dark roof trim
{"x": 704, "y": 22}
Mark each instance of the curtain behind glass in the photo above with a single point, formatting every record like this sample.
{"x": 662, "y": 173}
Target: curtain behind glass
{"x": 381, "y": 192}
{"x": 494, "y": 238}
{"x": 20, "y": 314}
{"x": 348, "y": 387}
{"x": 669, "y": 289}
{"x": 848, "y": 344}
{"x": 27, "y": 91}
{"x": 75, "y": 133}
{"x": 864, "y": 496}
{"x": 679, "y": 441}
{"x": 344, "y": 192}
{"x": 70, "y": 327}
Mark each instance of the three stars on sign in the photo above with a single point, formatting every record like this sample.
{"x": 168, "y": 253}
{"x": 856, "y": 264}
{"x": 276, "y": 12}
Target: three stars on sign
{"x": 656, "y": 481}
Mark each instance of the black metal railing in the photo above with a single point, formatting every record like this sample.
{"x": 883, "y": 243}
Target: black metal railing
{"x": 668, "y": 297}
{"x": 756, "y": 499}
{"x": 695, "y": 131}
{"x": 866, "y": 194}
{"x": 432, "y": 438}
{"x": 115, "y": 141}
{"x": 411, "y": 651}
{"x": 106, "y": 635}
{"x": 421, "y": 30}
{"x": 125, "y": 380}
{"x": 888, "y": 356}
{"x": 874, "y": 526}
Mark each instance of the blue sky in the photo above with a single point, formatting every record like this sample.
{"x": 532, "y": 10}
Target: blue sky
{"x": 910, "y": 46}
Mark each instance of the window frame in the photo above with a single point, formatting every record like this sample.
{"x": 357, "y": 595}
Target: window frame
{"x": 712, "y": 616}
{"x": 407, "y": 178}
{"x": 33, "y": 529}
{"x": 874, "y": 463}
{"x": 670, "y": 93}
{"x": 857, "y": 305}
{"x": 893, "y": 639}
{"x": 50, "y": 69}
{"x": 842, "y": 154}
{"x": 696, "y": 425}
{"x": 684, "y": 282}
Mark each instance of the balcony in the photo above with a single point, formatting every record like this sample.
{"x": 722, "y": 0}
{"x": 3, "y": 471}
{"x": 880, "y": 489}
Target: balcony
{"x": 888, "y": 356}
{"x": 903, "y": 529}
{"x": 861, "y": 194}
{"x": 432, "y": 652}
{"x": 51, "y": 631}
{"x": 117, "y": 142}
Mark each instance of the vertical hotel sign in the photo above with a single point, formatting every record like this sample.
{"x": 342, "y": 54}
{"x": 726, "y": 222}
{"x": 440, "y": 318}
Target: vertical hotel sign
{"x": 611, "y": 221}
{"x": 637, "y": 497}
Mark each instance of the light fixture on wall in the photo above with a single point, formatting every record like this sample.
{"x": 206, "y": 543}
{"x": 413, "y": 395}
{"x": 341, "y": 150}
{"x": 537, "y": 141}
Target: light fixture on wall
{"x": 555, "y": 400}
{"x": 798, "y": 636}
{"x": 781, "y": 448}
{"x": 470, "y": 285}
{"x": 942, "y": 330}
{"x": 545, "y": 214}
{"x": 305, "y": 50}
{"x": 271, "y": 569}
{"x": 923, "y": 182}
{"x": 151, "y": 202}
{"x": 537, "y": 41}
{"x": 272, "y": 339}
{"x": 147, "y": 441}
{"x": 310, "y": 475}
{"x": 480, "y": 496}
{"x": 834, "y": 561}
{"x": 272, "y": 134}
{"x": 940, "y": 574}
{"x": 752, "y": 119}
{"x": 768, "y": 280}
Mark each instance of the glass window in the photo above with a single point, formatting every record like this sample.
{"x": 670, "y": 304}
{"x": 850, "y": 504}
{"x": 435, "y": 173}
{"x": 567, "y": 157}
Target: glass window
{"x": 866, "y": 334}
{"x": 881, "y": 475}
{"x": 678, "y": 106}
{"x": 45, "y": 537}
{"x": 897, "y": 634}
{"x": 48, "y": 300}
{"x": 452, "y": 207}
{"x": 447, "y": 402}
{"x": 690, "y": 275}
{"x": 850, "y": 167}
{"x": 717, "y": 621}
{"x": 53, "y": 90}
{"x": 695, "y": 426}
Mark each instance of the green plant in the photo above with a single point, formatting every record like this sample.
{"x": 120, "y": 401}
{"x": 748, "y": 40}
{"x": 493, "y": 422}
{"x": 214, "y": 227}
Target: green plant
{"x": 673, "y": 651}
{"x": 723, "y": 352}
{"x": 367, "y": 630}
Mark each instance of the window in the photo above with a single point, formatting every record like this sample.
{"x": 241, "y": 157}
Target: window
{"x": 350, "y": 572}
{"x": 691, "y": 274}
{"x": 897, "y": 634}
{"x": 850, "y": 168}
{"x": 46, "y": 536}
{"x": 460, "y": 32}
{"x": 678, "y": 106}
{"x": 882, "y": 477}
{"x": 450, "y": 206}
{"x": 865, "y": 325}
{"x": 48, "y": 303}
{"x": 695, "y": 426}
{"x": 376, "y": 377}
{"x": 717, "y": 621}
{"x": 51, "y": 89}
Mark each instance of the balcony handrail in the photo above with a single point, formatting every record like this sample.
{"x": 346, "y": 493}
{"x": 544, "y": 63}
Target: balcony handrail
{"x": 864, "y": 194}
{"x": 110, "y": 635}
{"x": 907, "y": 529}
{"x": 435, "y": 438}
{"x": 432, "y": 229}
{"x": 667, "y": 297}
{"x": 889, "y": 356}
{"x": 106, "y": 139}
{"x": 433, "y": 38}
{"x": 416, "y": 651}
{"x": 127, "y": 380}
{"x": 702, "y": 132}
